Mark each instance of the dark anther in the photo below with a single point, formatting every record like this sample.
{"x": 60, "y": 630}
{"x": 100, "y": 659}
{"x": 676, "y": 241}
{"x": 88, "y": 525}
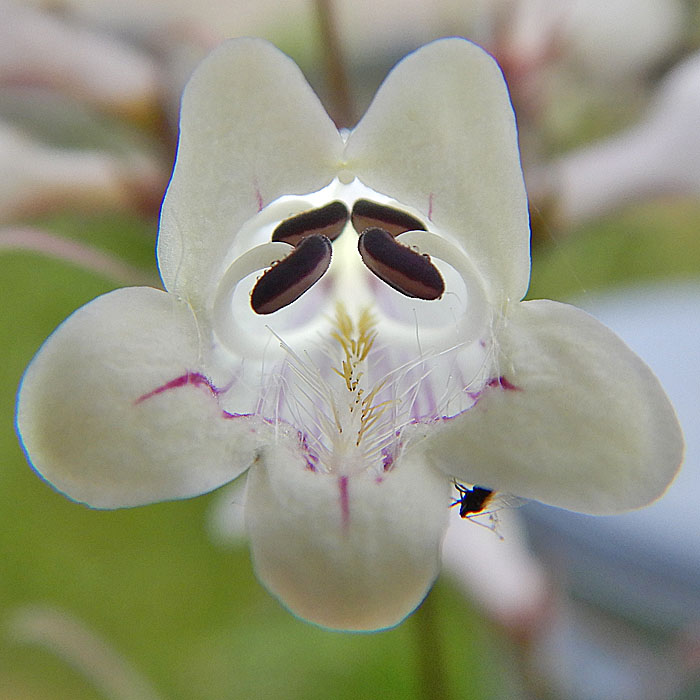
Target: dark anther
{"x": 287, "y": 280}
{"x": 328, "y": 221}
{"x": 471, "y": 500}
{"x": 367, "y": 214}
{"x": 399, "y": 266}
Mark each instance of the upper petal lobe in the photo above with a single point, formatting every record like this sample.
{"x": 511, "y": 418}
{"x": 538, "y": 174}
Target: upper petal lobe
{"x": 251, "y": 130}
{"x": 440, "y": 136}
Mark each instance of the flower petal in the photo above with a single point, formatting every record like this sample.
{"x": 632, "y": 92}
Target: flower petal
{"x": 38, "y": 178}
{"x": 39, "y": 47}
{"x": 113, "y": 412}
{"x": 577, "y": 419}
{"x": 440, "y": 136}
{"x": 508, "y": 583}
{"x": 358, "y": 556}
{"x": 251, "y": 130}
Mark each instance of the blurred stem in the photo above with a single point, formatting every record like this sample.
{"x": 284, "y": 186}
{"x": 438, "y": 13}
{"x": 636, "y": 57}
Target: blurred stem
{"x": 431, "y": 670}
{"x": 86, "y": 651}
{"x": 336, "y": 72}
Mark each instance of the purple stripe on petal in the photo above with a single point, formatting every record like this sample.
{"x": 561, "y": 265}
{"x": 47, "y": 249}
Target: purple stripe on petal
{"x": 503, "y": 383}
{"x": 494, "y": 382}
{"x": 193, "y": 378}
{"x": 344, "y": 501}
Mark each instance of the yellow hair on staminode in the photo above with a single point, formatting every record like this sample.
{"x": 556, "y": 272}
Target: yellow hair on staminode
{"x": 356, "y": 341}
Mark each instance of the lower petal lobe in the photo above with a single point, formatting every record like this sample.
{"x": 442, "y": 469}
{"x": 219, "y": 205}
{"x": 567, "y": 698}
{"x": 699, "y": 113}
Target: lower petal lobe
{"x": 105, "y": 415}
{"x": 575, "y": 419}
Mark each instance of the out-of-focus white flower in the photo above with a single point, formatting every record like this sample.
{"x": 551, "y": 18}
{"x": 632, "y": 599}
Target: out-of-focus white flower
{"x": 659, "y": 155}
{"x": 37, "y": 48}
{"x": 45, "y": 243}
{"x": 82, "y": 648}
{"x": 497, "y": 572}
{"x": 610, "y": 39}
{"x": 35, "y": 177}
{"x": 225, "y": 18}
{"x": 383, "y": 353}
{"x": 225, "y": 521}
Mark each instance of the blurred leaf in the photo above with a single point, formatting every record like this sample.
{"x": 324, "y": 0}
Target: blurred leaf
{"x": 656, "y": 240}
{"x": 130, "y": 237}
{"x": 60, "y": 120}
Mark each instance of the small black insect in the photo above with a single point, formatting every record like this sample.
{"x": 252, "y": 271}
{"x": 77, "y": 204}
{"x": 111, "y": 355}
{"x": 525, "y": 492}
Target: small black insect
{"x": 471, "y": 500}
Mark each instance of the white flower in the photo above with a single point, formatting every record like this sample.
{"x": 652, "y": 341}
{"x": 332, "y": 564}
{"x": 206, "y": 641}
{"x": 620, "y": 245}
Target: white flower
{"x": 613, "y": 40}
{"x": 36, "y": 177}
{"x": 495, "y": 569}
{"x": 658, "y": 155}
{"x": 353, "y": 406}
{"x": 40, "y": 48}
{"x": 492, "y": 564}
